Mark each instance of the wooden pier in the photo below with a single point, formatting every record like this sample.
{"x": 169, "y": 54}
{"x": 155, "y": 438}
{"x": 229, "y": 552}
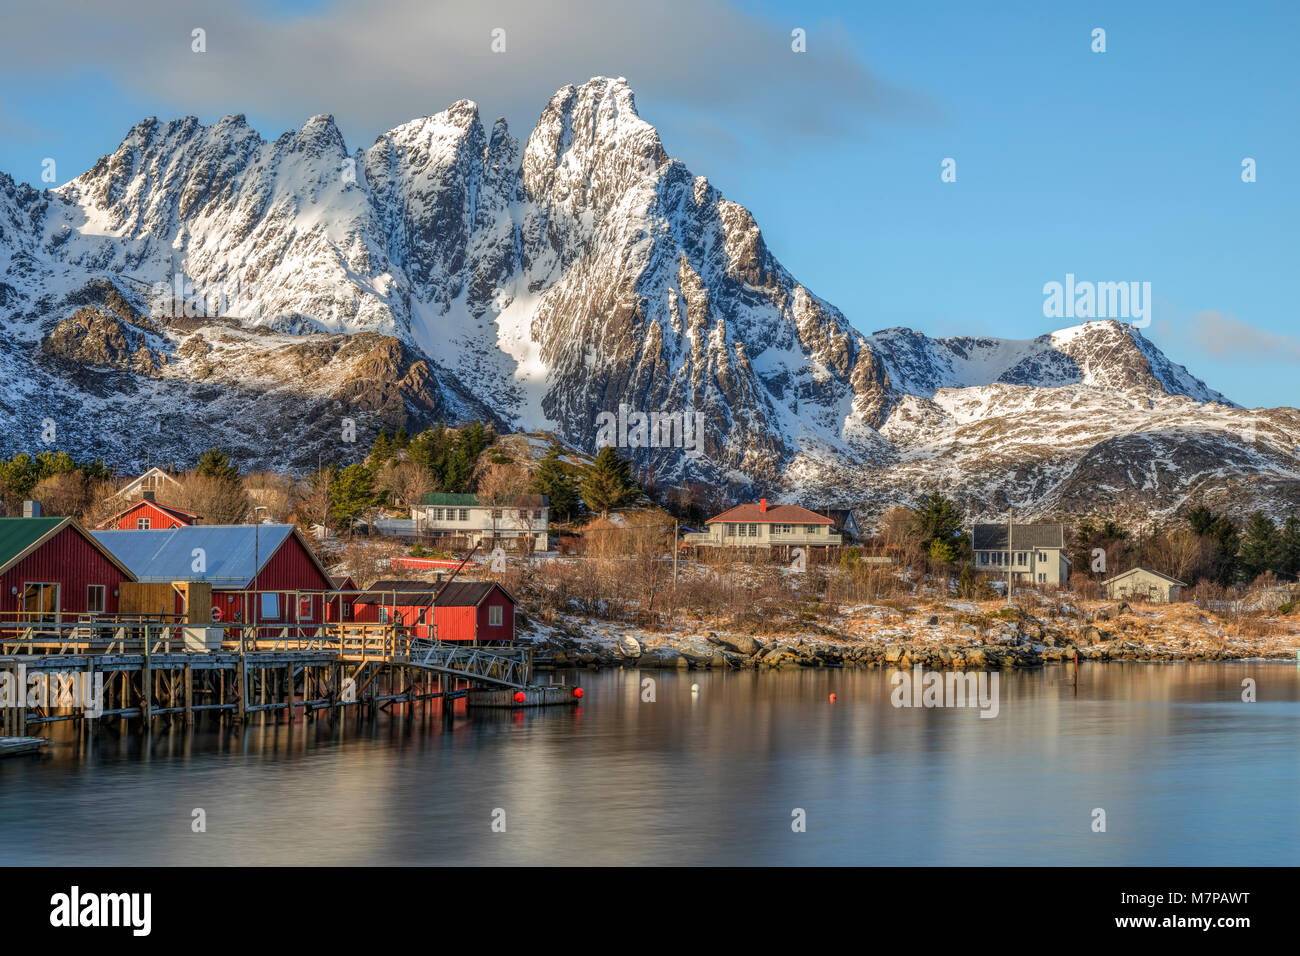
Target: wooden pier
{"x": 89, "y": 671}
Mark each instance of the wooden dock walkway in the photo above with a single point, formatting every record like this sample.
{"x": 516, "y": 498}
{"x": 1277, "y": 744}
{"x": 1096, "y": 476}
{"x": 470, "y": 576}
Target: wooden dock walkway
{"x": 144, "y": 670}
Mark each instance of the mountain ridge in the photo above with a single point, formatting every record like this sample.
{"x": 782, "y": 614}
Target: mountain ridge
{"x": 534, "y": 285}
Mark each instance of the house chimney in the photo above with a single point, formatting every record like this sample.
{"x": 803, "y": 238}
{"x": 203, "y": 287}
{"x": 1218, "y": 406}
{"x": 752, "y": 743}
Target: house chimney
{"x": 762, "y": 505}
{"x": 148, "y": 495}
{"x": 31, "y": 509}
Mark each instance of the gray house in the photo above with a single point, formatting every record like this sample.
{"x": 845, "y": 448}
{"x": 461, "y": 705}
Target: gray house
{"x": 1142, "y": 584}
{"x": 1032, "y": 553}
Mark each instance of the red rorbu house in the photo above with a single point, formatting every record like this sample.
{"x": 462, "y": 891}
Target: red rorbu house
{"x": 339, "y": 608}
{"x": 408, "y": 603}
{"x": 260, "y": 574}
{"x": 53, "y": 570}
{"x": 147, "y": 515}
{"x": 481, "y": 611}
{"x": 472, "y": 612}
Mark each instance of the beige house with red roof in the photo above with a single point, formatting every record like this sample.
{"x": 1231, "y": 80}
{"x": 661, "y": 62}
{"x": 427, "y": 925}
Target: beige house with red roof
{"x": 759, "y": 525}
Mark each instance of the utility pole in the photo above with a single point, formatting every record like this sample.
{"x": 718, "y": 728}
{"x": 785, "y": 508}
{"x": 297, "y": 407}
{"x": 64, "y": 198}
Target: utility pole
{"x": 676, "y": 523}
{"x": 1010, "y": 515}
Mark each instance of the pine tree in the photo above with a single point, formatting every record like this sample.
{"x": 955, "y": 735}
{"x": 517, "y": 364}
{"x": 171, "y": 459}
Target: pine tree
{"x": 557, "y": 484}
{"x": 1261, "y": 547}
{"x": 351, "y": 493}
{"x": 937, "y": 520}
{"x": 216, "y": 464}
{"x": 1290, "y": 541}
{"x": 401, "y": 439}
{"x": 609, "y": 483}
{"x": 383, "y": 448}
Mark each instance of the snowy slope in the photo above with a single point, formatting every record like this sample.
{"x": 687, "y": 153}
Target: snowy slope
{"x": 537, "y": 285}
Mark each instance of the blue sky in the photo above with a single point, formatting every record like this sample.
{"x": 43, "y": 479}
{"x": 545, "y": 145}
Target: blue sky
{"x": 1123, "y": 165}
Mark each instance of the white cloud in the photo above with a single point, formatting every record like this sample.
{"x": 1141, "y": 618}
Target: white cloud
{"x": 1227, "y": 337}
{"x": 375, "y": 65}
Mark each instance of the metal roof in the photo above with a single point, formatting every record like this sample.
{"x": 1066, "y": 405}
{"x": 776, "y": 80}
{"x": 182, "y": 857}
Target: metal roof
{"x": 19, "y": 537}
{"x": 1156, "y": 574}
{"x": 232, "y": 554}
{"x": 468, "y": 593}
{"x": 993, "y": 537}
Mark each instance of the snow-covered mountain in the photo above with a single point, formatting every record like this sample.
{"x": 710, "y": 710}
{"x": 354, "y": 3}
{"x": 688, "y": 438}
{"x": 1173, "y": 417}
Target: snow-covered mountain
{"x": 202, "y": 284}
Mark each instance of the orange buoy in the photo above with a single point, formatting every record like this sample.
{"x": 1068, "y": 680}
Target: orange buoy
{"x": 520, "y": 697}
{"x": 577, "y": 692}
{"x": 833, "y": 696}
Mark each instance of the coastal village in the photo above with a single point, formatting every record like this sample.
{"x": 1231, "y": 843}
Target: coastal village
{"x": 515, "y": 554}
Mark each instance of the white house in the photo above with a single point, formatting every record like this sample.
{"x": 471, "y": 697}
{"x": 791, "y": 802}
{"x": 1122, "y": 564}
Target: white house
{"x": 1032, "y": 553}
{"x": 757, "y": 525}
{"x": 152, "y": 481}
{"x": 1143, "y": 584}
{"x": 517, "y": 523}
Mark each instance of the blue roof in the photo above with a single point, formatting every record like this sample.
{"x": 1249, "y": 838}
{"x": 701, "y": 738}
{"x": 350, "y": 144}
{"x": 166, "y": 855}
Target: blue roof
{"x": 227, "y": 550}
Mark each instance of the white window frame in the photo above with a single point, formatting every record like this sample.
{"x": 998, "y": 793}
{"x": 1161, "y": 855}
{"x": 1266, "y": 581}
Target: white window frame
{"x": 496, "y": 617}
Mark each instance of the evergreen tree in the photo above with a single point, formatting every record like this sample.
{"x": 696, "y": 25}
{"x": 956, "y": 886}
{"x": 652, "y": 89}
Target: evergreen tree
{"x": 936, "y": 519}
{"x": 401, "y": 439}
{"x": 215, "y": 464}
{"x": 1290, "y": 542}
{"x": 1261, "y": 547}
{"x": 383, "y": 448}
{"x": 609, "y": 483}
{"x": 557, "y": 484}
{"x": 350, "y": 494}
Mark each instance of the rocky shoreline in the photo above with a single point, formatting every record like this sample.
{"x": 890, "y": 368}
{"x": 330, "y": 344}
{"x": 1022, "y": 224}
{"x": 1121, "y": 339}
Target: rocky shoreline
{"x": 1017, "y": 641}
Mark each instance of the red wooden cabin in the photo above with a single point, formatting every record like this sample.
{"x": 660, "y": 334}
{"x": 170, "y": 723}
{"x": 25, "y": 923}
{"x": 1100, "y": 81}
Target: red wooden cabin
{"x": 147, "y": 515}
{"x": 52, "y": 569}
{"x": 478, "y": 611}
{"x": 408, "y": 603}
{"x": 339, "y": 608}
{"x": 237, "y": 559}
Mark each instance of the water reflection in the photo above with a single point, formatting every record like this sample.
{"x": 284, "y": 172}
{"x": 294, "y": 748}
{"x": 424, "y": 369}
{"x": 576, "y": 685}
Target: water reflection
{"x": 1186, "y": 772}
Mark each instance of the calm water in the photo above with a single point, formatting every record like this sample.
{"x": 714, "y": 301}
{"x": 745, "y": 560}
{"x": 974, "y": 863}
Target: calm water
{"x": 1186, "y": 772}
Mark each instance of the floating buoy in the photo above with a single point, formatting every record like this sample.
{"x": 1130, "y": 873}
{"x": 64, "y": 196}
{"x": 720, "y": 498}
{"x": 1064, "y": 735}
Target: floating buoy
{"x": 577, "y": 692}
{"x": 520, "y": 697}
{"x": 833, "y": 697}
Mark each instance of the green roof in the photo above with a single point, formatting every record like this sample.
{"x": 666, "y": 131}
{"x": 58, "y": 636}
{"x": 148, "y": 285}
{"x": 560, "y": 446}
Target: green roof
{"x": 18, "y": 535}
{"x": 460, "y": 501}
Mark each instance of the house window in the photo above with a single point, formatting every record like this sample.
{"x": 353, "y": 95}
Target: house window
{"x": 537, "y": 515}
{"x": 270, "y": 607}
{"x": 464, "y": 514}
{"x": 1042, "y": 578}
{"x": 496, "y": 514}
{"x": 141, "y": 524}
{"x": 383, "y": 614}
{"x": 984, "y": 558}
{"x": 494, "y": 615}
{"x": 40, "y": 602}
{"x": 304, "y": 607}
{"x": 810, "y": 529}
{"x": 1042, "y": 556}
{"x": 95, "y": 598}
{"x": 437, "y": 514}
{"x": 753, "y": 531}
{"x": 731, "y": 530}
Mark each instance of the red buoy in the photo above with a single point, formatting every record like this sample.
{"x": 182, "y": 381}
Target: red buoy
{"x": 833, "y": 698}
{"x": 520, "y": 697}
{"x": 577, "y": 692}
